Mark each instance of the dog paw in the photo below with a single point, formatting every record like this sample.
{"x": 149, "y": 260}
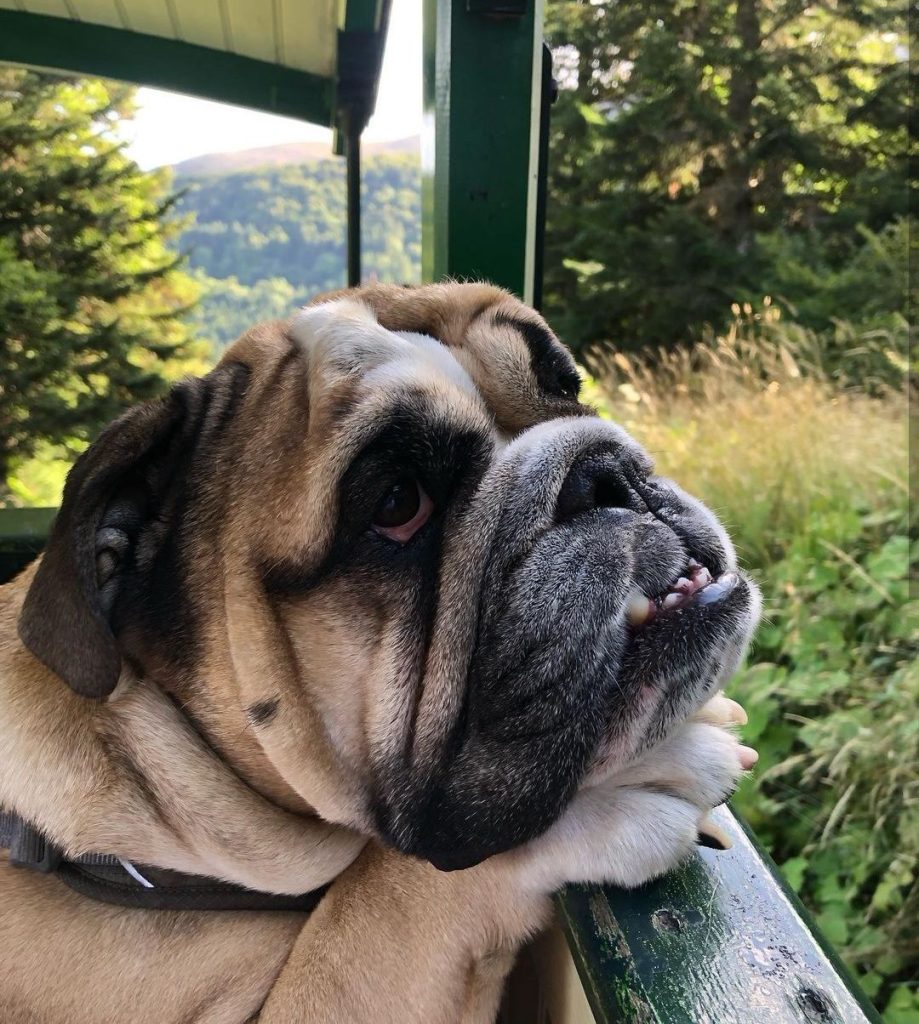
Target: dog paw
{"x": 642, "y": 821}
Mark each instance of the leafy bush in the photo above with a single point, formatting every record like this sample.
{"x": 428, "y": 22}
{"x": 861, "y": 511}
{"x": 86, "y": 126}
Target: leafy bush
{"x": 868, "y": 285}
{"x": 808, "y": 472}
{"x": 831, "y": 697}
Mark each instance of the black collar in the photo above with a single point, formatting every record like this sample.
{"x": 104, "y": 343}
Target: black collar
{"x": 113, "y": 880}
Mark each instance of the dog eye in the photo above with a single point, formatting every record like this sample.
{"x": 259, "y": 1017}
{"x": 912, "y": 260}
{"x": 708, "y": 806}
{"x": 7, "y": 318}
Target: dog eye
{"x": 405, "y": 508}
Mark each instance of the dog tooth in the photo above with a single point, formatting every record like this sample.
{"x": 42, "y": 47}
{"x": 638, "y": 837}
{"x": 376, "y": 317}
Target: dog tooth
{"x": 702, "y": 576}
{"x": 673, "y": 600}
{"x": 638, "y": 608}
{"x": 683, "y": 585}
{"x": 718, "y": 589}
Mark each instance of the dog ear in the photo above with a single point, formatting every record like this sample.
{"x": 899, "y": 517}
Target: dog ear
{"x": 120, "y": 495}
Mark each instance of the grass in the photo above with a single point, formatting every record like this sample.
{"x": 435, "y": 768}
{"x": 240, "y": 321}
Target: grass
{"x": 752, "y": 422}
{"x": 806, "y": 463}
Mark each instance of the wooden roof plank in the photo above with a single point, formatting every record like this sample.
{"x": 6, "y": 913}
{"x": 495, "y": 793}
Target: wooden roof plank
{"x": 307, "y": 30}
{"x": 99, "y": 12}
{"x": 55, "y": 8}
{"x": 201, "y": 23}
{"x": 66, "y": 45}
{"x": 152, "y": 18}
{"x": 253, "y": 32}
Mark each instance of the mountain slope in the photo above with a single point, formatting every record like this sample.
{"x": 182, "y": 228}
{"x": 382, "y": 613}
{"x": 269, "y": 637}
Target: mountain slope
{"x": 288, "y": 153}
{"x": 263, "y": 242}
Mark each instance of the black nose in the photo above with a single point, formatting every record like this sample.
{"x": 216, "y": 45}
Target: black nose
{"x": 598, "y": 481}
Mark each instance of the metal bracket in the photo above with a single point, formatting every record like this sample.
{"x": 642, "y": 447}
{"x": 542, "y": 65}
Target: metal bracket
{"x": 30, "y": 849}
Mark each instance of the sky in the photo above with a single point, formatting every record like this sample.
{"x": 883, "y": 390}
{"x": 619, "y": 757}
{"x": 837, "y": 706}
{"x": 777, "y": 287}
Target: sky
{"x": 169, "y": 127}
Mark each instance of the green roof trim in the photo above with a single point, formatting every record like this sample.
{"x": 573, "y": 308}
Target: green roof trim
{"x": 75, "y": 46}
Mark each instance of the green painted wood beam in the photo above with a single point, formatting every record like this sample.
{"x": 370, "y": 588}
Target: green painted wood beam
{"x": 722, "y": 939}
{"x": 60, "y": 44}
{"x": 480, "y": 146}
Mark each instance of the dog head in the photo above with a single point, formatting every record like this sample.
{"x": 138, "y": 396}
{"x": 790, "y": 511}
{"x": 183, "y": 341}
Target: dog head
{"x": 395, "y": 570}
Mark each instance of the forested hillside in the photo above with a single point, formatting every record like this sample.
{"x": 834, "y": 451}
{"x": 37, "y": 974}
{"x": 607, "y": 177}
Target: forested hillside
{"x": 263, "y": 241}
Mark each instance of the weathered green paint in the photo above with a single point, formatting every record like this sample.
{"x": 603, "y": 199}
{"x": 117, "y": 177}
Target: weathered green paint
{"x": 482, "y": 79}
{"x": 66, "y": 45}
{"x": 721, "y": 940}
{"x": 23, "y": 532}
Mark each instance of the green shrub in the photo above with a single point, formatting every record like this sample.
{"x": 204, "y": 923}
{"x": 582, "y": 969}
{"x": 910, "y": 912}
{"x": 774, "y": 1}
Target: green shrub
{"x": 868, "y": 286}
{"x": 832, "y": 693}
{"x": 808, "y": 471}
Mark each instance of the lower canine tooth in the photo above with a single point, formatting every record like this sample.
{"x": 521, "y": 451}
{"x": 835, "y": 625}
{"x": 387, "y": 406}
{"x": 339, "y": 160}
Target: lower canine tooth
{"x": 673, "y": 600}
{"x": 638, "y": 608}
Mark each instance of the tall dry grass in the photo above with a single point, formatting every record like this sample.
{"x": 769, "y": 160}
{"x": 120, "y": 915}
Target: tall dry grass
{"x": 756, "y": 424}
{"x": 801, "y": 445}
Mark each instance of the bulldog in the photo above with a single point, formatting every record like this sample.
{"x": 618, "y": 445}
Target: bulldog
{"x": 376, "y": 610}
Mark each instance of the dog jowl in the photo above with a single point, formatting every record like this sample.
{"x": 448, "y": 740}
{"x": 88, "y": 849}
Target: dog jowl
{"x": 396, "y": 572}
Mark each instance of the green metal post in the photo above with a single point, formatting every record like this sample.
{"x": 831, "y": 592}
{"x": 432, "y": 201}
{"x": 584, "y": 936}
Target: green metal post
{"x": 353, "y": 191}
{"x": 480, "y": 145}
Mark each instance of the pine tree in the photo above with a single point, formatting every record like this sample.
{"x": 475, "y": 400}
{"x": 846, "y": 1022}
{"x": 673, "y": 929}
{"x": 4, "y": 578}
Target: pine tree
{"x": 91, "y": 298}
{"x": 687, "y": 134}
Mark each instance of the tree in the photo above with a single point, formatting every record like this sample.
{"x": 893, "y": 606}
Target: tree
{"x": 91, "y": 298}
{"x": 686, "y": 134}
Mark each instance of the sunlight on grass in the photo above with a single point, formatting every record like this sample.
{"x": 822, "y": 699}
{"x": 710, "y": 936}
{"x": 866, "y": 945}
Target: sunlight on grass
{"x": 762, "y": 435}
{"x": 808, "y": 470}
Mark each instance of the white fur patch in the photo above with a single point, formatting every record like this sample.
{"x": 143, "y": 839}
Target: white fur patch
{"x": 438, "y": 355}
{"x": 346, "y": 333}
{"x": 639, "y": 823}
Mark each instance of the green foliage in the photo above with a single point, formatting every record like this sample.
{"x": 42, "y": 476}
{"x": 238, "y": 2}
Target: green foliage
{"x": 227, "y": 308}
{"x": 809, "y": 473}
{"x": 271, "y": 239}
{"x": 832, "y": 701}
{"x": 91, "y": 303}
{"x": 870, "y": 288}
{"x": 692, "y": 144}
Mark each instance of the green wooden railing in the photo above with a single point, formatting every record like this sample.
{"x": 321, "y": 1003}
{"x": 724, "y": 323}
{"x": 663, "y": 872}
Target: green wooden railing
{"x": 722, "y": 939}
{"x": 22, "y": 536}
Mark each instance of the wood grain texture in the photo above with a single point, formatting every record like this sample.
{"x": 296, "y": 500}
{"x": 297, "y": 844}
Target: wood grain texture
{"x": 721, "y": 941}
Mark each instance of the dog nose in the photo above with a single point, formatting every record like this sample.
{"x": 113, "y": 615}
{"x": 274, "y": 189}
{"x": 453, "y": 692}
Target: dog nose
{"x": 598, "y": 481}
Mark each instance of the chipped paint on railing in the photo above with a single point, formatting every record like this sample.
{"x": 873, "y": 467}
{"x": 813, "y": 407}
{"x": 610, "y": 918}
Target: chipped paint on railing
{"x": 721, "y": 940}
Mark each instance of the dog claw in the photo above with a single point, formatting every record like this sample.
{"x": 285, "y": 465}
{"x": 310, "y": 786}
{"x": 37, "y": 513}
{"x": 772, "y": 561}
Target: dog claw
{"x": 748, "y": 757}
{"x": 713, "y": 836}
{"x": 721, "y": 710}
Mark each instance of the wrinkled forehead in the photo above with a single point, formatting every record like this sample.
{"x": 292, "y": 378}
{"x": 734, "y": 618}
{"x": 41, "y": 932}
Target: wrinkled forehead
{"x": 502, "y": 361}
{"x": 345, "y": 345}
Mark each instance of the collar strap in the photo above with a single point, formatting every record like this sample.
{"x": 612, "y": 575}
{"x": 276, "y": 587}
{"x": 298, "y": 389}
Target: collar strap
{"x": 112, "y": 880}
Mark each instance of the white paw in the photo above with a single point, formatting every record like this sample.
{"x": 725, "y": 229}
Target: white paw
{"x": 642, "y": 821}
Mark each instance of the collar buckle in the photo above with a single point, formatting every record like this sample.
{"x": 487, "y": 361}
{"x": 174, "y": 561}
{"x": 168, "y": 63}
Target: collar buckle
{"x": 30, "y": 849}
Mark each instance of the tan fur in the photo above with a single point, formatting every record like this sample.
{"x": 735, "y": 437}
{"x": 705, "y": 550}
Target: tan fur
{"x": 285, "y": 809}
